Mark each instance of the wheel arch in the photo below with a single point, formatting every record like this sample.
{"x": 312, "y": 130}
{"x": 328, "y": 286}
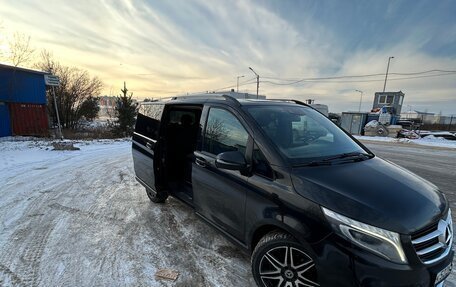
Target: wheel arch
{"x": 305, "y": 231}
{"x": 266, "y": 227}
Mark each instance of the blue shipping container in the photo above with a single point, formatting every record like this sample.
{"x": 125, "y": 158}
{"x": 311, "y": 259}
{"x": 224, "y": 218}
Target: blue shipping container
{"x": 5, "y": 124}
{"x": 18, "y": 85}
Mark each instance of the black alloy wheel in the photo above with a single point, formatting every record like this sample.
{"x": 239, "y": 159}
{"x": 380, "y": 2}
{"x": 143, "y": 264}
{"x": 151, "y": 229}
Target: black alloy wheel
{"x": 156, "y": 197}
{"x": 280, "y": 261}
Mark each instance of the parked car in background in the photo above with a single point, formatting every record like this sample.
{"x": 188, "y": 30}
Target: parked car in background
{"x": 438, "y": 134}
{"x": 311, "y": 204}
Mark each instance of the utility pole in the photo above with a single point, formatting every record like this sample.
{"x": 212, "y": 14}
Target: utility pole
{"x": 360, "y": 100}
{"x": 258, "y": 80}
{"x": 237, "y": 89}
{"x": 386, "y": 76}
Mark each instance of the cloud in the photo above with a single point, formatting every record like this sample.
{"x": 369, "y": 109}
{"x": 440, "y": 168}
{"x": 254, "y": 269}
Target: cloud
{"x": 163, "y": 48}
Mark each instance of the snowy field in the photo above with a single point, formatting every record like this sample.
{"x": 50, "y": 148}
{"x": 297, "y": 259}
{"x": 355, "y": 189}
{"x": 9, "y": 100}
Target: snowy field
{"x": 426, "y": 141}
{"x": 79, "y": 218}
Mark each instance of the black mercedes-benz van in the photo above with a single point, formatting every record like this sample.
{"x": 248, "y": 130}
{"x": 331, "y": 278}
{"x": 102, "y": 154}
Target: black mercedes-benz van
{"x": 311, "y": 204}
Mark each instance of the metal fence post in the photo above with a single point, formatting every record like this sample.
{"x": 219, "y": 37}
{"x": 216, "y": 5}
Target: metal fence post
{"x": 451, "y": 121}
{"x": 60, "y": 135}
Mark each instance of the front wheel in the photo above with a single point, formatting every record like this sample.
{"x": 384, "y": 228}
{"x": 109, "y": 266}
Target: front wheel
{"x": 156, "y": 197}
{"x": 279, "y": 260}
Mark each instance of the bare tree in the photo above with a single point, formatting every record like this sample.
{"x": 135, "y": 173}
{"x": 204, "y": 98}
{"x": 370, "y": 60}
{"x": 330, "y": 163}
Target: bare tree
{"x": 20, "y": 52}
{"x": 75, "y": 87}
{"x": 46, "y": 62}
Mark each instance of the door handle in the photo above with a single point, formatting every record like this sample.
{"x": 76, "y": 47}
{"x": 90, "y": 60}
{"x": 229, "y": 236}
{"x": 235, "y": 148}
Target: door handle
{"x": 200, "y": 162}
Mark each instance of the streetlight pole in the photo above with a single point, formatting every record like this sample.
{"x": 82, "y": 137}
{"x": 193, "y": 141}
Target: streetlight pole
{"x": 386, "y": 76}
{"x": 360, "y": 100}
{"x": 237, "y": 89}
{"x": 258, "y": 80}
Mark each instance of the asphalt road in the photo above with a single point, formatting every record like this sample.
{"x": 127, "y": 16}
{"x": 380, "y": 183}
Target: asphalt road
{"x": 438, "y": 165}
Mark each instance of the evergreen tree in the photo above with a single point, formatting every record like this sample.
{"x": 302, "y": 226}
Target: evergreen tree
{"x": 89, "y": 108}
{"x": 125, "y": 111}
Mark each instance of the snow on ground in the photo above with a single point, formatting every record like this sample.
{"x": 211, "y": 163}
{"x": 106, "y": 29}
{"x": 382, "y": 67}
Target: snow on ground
{"x": 79, "y": 218}
{"x": 426, "y": 141}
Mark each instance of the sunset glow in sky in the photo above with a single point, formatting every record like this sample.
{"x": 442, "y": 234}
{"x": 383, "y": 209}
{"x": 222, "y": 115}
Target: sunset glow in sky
{"x": 167, "y": 48}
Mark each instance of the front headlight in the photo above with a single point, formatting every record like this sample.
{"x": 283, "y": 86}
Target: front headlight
{"x": 382, "y": 242}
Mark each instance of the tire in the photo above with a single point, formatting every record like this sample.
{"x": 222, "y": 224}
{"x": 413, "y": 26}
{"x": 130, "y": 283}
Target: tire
{"x": 279, "y": 260}
{"x": 382, "y": 131}
{"x": 156, "y": 197}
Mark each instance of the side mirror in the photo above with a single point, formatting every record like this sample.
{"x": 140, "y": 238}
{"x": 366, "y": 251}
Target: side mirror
{"x": 232, "y": 160}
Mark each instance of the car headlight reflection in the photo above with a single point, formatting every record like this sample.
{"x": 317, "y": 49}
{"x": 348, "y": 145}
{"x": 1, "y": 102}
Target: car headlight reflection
{"x": 379, "y": 241}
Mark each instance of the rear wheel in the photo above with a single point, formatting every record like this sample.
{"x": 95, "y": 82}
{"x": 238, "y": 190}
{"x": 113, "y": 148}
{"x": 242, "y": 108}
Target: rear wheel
{"x": 279, "y": 260}
{"x": 156, "y": 197}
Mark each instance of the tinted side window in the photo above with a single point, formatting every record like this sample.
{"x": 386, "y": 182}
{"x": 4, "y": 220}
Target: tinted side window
{"x": 224, "y": 133}
{"x": 148, "y": 121}
{"x": 176, "y": 116}
{"x": 153, "y": 111}
{"x": 260, "y": 163}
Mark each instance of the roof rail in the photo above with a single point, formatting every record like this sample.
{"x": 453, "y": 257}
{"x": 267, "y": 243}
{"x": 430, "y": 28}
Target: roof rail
{"x": 291, "y": 100}
{"x": 232, "y": 99}
{"x": 208, "y": 97}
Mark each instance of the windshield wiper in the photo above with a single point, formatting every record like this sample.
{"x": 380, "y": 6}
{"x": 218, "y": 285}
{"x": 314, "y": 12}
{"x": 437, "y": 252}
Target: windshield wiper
{"x": 313, "y": 163}
{"x": 358, "y": 156}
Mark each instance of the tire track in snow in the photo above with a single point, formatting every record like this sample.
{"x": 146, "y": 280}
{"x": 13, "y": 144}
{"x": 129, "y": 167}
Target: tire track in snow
{"x": 105, "y": 232}
{"x": 8, "y": 277}
{"x": 29, "y": 243}
{"x": 23, "y": 250}
{"x": 88, "y": 214}
{"x": 32, "y": 256}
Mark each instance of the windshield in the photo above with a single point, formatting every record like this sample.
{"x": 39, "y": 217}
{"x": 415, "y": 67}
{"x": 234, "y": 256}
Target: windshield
{"x": 302, "y": 134}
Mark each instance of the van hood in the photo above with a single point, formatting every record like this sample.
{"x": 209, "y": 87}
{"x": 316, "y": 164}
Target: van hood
{"x": 374, "y": 191}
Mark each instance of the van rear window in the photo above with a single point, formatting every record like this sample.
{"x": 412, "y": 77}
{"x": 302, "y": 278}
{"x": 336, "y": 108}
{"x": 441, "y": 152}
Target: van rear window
{"x": 148, "y": 121}
{"x": 152, "y": 111}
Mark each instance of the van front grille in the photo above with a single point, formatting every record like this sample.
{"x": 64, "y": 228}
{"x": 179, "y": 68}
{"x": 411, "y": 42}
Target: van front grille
{"x": 435, "y": 241}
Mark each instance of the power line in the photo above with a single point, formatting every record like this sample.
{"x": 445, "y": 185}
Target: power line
{"x": 335, "y": 78}
{"x": 428, "y": 76}
{"x": 424, "y": 72}
{"x": 247, "y": 82}
{"x": 322, "y": 78}
{"x": 244, "y": 83}
{"x": 329, "y": 80}
{"x": 294, "y": 81}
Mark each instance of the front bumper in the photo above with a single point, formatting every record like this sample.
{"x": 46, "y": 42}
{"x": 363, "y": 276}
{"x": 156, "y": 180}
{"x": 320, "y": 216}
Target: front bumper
{"x": 341, "y": 264}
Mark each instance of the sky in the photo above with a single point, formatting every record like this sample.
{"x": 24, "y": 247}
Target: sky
{"x": 168, "y": 48}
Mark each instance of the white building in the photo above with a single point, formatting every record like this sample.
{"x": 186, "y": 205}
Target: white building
{"x": 424, "y": 117}
{"x": 107, "y": 104}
